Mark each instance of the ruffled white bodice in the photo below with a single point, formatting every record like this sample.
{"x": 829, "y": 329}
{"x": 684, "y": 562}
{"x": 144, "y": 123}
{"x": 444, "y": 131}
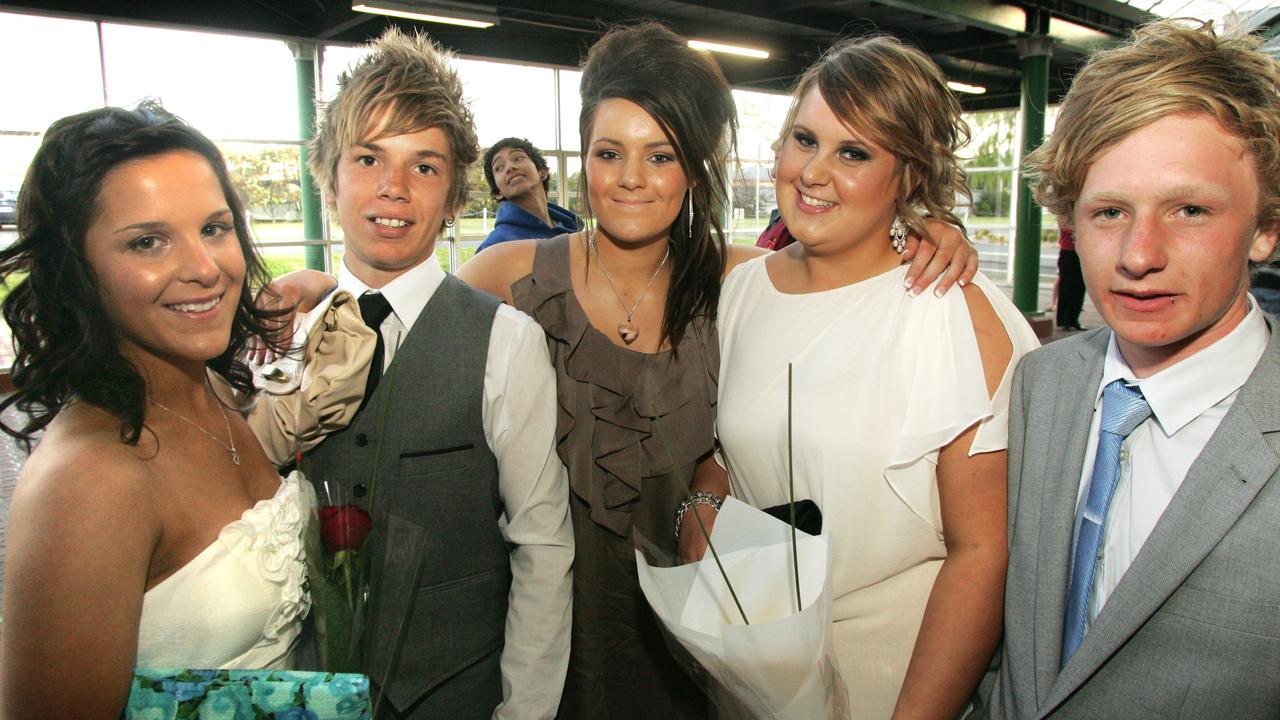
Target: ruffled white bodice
{"x": 241, "y": 601}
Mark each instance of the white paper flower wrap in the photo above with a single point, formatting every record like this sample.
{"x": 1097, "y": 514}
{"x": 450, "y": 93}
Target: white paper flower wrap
{"x": 781, "y": 665}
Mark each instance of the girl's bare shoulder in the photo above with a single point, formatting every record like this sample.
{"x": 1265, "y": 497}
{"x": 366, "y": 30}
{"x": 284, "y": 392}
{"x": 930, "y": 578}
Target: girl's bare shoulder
{"x": 735, "y": 255}
{"x": 81, "y": 470}
{"x": 499, "y": 266}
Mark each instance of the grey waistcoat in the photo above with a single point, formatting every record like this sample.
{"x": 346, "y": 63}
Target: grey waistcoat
{"x": 438, "y": 472}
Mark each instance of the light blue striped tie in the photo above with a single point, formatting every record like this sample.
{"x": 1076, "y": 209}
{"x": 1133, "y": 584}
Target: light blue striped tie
{"x": 1123, "y": 409}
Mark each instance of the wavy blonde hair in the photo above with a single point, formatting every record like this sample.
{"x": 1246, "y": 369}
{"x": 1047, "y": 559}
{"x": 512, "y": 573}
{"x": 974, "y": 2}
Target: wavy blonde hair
{"x": 1168, "y": 67}
{"x": 897, "y": 97}
{"x": 406, "y": 83}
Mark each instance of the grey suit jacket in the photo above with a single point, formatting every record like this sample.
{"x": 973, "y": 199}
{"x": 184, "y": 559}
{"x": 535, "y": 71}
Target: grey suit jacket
{"x": 1193, "y": 628}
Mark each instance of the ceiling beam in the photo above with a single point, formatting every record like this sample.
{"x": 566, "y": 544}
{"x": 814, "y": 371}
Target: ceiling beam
{"x": 1002, "y": 18}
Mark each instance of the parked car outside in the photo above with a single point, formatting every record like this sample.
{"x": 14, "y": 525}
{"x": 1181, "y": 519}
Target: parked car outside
{"x": 8, "y": 207}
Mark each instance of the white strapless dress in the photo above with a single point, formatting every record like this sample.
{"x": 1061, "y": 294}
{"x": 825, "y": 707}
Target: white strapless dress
{"x": 241, "y": 601}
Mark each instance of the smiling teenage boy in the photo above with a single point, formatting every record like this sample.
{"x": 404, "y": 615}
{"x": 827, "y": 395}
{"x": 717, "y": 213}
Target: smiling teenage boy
{"x": 468, "y": 452}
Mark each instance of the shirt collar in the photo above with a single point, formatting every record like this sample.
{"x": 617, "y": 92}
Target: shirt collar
{"x": 1183, "y": 391}
{"x": 408, "y": 294}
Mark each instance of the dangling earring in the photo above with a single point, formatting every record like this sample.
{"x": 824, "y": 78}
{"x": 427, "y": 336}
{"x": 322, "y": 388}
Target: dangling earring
{"x": 448, "y": 222}
{"x": 690, "y": 213}
{"x": 898, "y": 234}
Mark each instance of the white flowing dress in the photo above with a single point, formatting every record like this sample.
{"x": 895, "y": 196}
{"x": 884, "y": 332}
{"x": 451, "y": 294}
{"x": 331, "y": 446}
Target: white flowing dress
{"x": 240, "y": 602}
{"x": 882, "y": 381}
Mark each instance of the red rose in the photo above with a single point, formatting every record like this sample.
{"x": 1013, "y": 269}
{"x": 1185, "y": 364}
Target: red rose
{"x": 344, "y": 527}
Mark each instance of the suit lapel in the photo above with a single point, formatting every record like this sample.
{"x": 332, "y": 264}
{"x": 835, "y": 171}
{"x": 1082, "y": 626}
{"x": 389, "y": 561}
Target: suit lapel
{"x": 1066, "y": 446}
{"x": 1220, "y": 485}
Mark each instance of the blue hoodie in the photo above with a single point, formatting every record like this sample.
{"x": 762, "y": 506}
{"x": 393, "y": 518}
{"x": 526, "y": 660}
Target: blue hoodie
{"x": 516, "y": 223}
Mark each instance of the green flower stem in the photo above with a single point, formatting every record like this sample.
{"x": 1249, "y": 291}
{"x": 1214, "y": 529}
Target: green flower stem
{"x": 346, "y": 585}
{"x": 701, "y": 526}
{"x": 791, "y": 493}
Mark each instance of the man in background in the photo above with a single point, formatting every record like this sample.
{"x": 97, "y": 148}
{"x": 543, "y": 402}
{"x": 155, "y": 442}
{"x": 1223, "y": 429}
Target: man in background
{"x": 518, "y": 176}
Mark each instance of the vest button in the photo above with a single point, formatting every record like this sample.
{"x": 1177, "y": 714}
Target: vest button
{"x": 359, "y": 490}
{"x": 362, "y": 440}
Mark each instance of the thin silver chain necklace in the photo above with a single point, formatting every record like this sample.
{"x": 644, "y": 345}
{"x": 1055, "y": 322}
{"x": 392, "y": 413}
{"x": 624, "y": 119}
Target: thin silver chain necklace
{"x": 235, "y": 454}
{"x": 627, "y": 329}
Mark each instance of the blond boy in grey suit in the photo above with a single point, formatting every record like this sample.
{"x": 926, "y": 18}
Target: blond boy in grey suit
{"x": 1144, "y": 478}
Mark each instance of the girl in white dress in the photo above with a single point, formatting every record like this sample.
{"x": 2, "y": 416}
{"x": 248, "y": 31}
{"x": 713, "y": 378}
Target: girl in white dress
{"x": 148, "y": 527}
{"x": 900, "y": 402}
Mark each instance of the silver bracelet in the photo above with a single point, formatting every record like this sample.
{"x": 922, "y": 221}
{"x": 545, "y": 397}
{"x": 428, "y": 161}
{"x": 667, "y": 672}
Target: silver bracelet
{"x": 701, "y": 497}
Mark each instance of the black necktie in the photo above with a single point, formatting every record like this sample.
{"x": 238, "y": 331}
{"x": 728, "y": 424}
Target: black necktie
{"x": 374, "y": 308}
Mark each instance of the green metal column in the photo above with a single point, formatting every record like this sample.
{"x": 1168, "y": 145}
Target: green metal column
{"x": 1034, "y": 52}
{"x": 304, "y": 56}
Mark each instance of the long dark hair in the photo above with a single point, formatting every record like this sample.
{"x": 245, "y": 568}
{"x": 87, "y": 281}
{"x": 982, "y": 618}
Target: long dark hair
{"x": 65, "y": 346}
{"x": 685, "y": 92}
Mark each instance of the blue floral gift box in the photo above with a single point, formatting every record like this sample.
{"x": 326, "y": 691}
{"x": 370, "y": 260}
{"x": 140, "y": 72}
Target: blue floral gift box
{"x": 247, "y": 695}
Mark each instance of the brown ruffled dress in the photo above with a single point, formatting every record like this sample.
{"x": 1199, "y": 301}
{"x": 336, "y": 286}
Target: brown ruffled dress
{"x": 622, "y": 479}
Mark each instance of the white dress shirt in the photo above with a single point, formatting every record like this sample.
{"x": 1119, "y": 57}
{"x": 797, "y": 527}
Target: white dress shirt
{"x": 519, "y": 417}
{"x": 1188, "y": 401}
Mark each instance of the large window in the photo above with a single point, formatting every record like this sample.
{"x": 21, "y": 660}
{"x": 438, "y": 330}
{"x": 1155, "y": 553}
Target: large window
{"x": 241, "y": 91}
{"x": 228, "y": 86}
{"x": 42, "y": 54}
{"x": 760, "y": 119}
{"x": 991, "y": 162}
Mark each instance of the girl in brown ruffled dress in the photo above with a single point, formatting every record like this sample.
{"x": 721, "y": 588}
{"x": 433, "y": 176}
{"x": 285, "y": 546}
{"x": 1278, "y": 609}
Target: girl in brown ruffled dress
{"x": 628, "y": 308}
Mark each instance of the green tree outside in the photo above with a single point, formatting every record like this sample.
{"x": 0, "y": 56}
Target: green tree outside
{"x": 269, "y": 180}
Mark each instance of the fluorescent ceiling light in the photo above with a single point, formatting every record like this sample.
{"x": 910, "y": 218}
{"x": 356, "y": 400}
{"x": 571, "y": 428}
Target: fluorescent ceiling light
{"x": 730, "y": 49}
{"x": 961, "y": 87}
{"x": 446, "y": 13}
